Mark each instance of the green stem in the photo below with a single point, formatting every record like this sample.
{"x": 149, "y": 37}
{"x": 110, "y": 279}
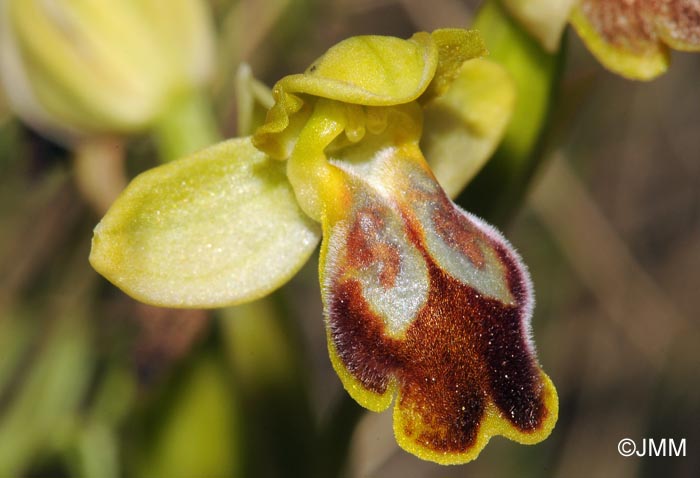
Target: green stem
{"x": 268, "y": 368}
{"x": 187, "y": 126}
{"x": 335, "y": 436}
{"x": 503, "y": 180}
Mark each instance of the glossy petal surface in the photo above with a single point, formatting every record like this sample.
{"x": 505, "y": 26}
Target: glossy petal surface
{"x": 632, "y": 38}
{"x": 431, "y": 305}
{"x": 217, "y": 228}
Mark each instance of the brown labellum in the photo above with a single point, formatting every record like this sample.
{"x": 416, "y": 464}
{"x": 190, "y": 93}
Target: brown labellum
{"x": 425, "y": 300}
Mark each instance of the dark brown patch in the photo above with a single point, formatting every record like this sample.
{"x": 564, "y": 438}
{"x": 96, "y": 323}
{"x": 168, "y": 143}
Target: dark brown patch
{"x": 358, "y": 335}
{"x": 461, "y": 349}
{"x": 509, "y": 360}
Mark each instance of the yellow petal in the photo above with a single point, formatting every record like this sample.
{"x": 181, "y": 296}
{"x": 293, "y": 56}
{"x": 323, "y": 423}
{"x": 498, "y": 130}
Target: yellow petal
{"x": 366, "y": 70}
{"x": 370, "y": 70}
{"x": 455, "y": 46}
{"x": 463, "y": 127}
{"x": 217, "y": 228}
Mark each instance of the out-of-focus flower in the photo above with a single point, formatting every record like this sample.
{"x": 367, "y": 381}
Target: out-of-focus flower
{"x": 77, "y": 69}
{"x": 424, "y": 303}
{"x": 632, "y": 38}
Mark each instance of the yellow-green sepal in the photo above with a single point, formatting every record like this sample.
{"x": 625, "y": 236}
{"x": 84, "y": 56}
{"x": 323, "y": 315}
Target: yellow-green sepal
{"x": 368, "y": 71}
{"x": 217, "y": 228}
{"x": 88, "y": 87}
{"x": 464, "y": 126}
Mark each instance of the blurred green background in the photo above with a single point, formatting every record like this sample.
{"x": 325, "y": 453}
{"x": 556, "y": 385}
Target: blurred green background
{"x": 94, "y": 384}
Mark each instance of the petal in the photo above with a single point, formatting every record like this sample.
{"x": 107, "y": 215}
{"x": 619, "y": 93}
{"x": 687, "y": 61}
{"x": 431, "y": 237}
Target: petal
{"x": 455, "y": 46}
{"x": 632, "y": 38}
{"x": 367, "y": 70}
{"x": 217, "y": 228}
{"x": 463, "y": 127}
{"x": 427, "y": 302}
{"x": 370, "y": 70}
{"x": 367, "y": 260}
{"x": 677, "y": 23}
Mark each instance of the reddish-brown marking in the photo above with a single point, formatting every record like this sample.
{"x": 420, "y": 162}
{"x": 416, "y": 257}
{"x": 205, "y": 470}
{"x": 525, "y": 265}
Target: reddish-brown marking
{"x": 620, "y": 23}
{"x": 461, "y": 349}
{"x": 679, "y": 19}
{"x": 634, "y": 24}
{"x": 455, "y": 231}
{"x": 366, "y": 247}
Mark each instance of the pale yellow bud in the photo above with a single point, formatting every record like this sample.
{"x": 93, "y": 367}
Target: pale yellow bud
{"x": 75, "y": 68}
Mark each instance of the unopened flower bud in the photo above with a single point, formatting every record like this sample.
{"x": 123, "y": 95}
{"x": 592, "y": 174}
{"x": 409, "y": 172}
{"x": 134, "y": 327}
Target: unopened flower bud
{"x": 75, "y": 69}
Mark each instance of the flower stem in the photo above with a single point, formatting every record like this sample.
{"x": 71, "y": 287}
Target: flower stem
{"x": 99, "y": 171}
{"x": 187, "y": 126}
{"x": 267, "y": 365}
{"x": 502, "y": 182}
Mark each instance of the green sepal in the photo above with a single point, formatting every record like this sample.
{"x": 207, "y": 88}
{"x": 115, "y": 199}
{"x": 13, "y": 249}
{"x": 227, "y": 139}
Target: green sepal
{"x": 217, "y": 228}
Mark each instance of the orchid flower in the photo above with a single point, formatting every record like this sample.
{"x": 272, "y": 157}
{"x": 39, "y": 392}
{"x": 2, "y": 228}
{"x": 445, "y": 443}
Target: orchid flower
{"x": 425, "y": 305}
{"x": 632, "y": 38}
